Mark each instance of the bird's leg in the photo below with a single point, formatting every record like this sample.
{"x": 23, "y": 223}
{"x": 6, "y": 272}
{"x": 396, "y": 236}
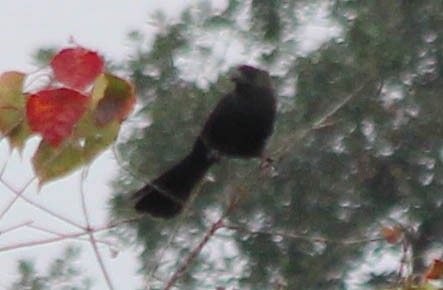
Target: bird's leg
{"x": 266, "y": 166}
{"x": 266, "y": 161}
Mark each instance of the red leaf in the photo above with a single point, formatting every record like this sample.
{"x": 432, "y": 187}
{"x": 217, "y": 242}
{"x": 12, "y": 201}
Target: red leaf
{"x": 53, "y": 113}
{"x": 435, "y": 271}
{"x": 77, "y": 67}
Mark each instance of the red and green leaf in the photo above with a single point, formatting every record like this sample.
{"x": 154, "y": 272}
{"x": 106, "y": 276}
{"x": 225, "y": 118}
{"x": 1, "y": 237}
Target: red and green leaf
{"x": 75, "y": 126}
{"x": 114, "y": 99}
{"x": 86, "y": 143}
{"x": 53, "y": 113}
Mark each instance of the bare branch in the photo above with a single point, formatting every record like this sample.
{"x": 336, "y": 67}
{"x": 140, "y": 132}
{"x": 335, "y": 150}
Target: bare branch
{"x": 83, "y": 198}
{"x": 303, "y": 237}
{"x": 91, "y": 233}
{"x": 100, "y": 261}
{"x": 182, "y": 269}
{"x": 13, "y": 228}
{"x": 64, "y": 236}
{"x": 340, "y": 105}
{"x": 45, "y": 230}
{"x": 322, "y": 121}
{"x": 18, "y": 193}
{"x": 209, "y": 234}
{"x": 41, "y": 242}
{"x": 37, "y": 205}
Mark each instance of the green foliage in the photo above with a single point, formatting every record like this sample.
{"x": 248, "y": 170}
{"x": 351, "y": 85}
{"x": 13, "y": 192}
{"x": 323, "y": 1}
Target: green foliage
{"x": 43, "y": 56}
{"x": 375, "y": 161}
{"x": 62, "y": 274}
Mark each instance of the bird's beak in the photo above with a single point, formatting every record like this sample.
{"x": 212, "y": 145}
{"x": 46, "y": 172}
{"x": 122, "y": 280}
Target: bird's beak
{"x": 235, "y": 75}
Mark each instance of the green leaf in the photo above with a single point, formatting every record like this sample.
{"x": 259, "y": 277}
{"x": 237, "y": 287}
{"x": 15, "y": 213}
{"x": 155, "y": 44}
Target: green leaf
{"x": 86, "y": 143}
{"x": 98, "y": 92}
{"x": 96, "y": 138}
{"x": 427, "y": 286}
{"x": 12, "y": 101}
{"x": 51, "y": 163}
{"x": 18, "y": 136}
{"x": 54, "y": 162}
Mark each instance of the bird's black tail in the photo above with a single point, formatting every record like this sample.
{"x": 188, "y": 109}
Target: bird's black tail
{"x": 167, "y": 194}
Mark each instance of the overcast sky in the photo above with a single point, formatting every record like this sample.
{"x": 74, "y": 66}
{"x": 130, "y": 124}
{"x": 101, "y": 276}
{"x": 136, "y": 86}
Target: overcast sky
{"x": 101, "y": 24}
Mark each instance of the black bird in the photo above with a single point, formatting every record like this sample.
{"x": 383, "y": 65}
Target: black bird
{"x": 239, "y": 126}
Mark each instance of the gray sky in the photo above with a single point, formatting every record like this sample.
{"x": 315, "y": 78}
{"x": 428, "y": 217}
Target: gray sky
{"x": 99, "y": 24}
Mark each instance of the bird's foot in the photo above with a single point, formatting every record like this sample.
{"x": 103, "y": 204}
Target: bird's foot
{"x": 266, "y": 162}
{"x": 267, "y": 168}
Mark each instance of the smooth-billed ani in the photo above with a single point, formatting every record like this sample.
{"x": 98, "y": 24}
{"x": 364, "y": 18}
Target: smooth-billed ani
{"x": 239, "y": 126}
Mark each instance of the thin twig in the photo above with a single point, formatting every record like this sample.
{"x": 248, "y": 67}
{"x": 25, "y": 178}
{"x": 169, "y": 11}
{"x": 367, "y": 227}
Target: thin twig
{"x": 321, "y": 122}
{"x": 100, "y": 261}
{"x": 41, "y": 242}
{"x": 2, "y": 171}
{"x": 91, "y": 234}
{"x": 182, "y": 269}
{"x": 341, "y": 104}
{"x": 303, "y": 237}
{"x": 18, "y": 193}
{"x": 65, "y": 236}
{"x": 209, "y": 234}
{"x": 122, "y": 165}
{"x": 175, "y": 231}
{"x": 42, "y": 208}
{"x": 13, "y": 228}
{"x": 45, "y": 230}
{"x": 83, "y": 199}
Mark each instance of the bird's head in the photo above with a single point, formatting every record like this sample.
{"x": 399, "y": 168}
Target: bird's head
{"x": 249, "y": 75}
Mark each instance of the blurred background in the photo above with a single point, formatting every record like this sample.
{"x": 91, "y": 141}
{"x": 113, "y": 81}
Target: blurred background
{"x": 353, "y": 199}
